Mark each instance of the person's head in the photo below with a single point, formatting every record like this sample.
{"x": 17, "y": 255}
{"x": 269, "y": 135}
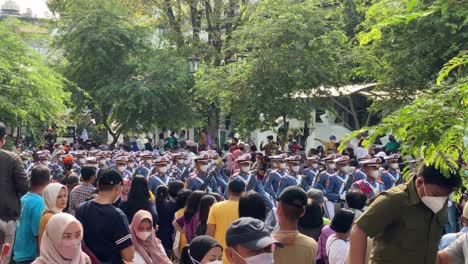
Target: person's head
{"x": 61, "y": 242}
{"x": 342, "y": 221}
{"x": 316, "y": 196}
{"x": 110, "y": 184}
{"x": 204, "y": 250}
{"x": 291, "y": 205}
{"x": 371, "y": 167}
{"x": 235, "y": 187}
{"x": 202, "y": 165}
{"x": 193, "y": 205}
{"x": 294, "y": 163}
{"x": 2, "y": 134}
{"x": 251, "y": 204}
{"x": 161, "y": 165}
{"x": 269, "y": 138}
{"x": 162, "y": 192}
{"x": 182, "y": 197}
{"x": 40, "y": 177}
{"x": 356, "y": 199}
{"x": 88, "y": 174}
{"x": 234, "y": 141}
{"x": 55, "y": 197}
{"x": 433, "y": 187}
{"x": 248, "y": 241}
{"x": 141, "y": 227}
{"x": 391, "y": 138}
{"x": 332, "y": 138}
{"x": 313, "y": 216}
{"x": 205, "y": 204}
{"x": 330, "y": 164}
{"x": 174, "y": 187}
{"x": 342, "y": 164}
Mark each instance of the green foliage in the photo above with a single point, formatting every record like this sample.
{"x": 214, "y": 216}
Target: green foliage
{"x": 457, "y": 62}
{"x": 31, "y": 93}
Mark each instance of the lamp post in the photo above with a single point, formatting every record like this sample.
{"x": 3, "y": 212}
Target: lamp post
{"x": 194, "y": 64}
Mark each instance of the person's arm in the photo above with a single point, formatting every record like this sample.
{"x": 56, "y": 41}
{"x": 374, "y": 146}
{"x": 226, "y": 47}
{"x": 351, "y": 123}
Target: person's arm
{"x": 444, "y": 258}
{"x": 319, "y": 140}
{"x": 128, "y": 254}
{"x": 20, "y": 177}
{"x": 358, "y": 246}
{"x": 177, "y": 224}
{"x": 210, "y": 230}
{"x": 122, "y": 237}
{"x": 454, "y": 253}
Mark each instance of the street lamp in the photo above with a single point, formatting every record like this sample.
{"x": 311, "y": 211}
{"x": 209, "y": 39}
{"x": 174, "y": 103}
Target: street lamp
{"x": 194, "y": 63}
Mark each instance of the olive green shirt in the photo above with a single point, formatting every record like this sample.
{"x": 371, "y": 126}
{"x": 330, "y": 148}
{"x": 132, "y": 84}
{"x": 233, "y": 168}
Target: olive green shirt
{"x": 403, "y": 228}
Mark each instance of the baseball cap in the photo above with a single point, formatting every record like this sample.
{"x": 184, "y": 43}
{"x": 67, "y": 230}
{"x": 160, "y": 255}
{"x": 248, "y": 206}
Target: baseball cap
{"x": 68, "y": 159}
{"x": 316, "y": 195}
{"x": 110, "y": 177}
{"x": 250, "y": 233}
{"x": 293, "y": 195}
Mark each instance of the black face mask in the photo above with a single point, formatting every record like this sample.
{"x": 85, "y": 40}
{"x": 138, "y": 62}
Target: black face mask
{"x": 68, "y": 166}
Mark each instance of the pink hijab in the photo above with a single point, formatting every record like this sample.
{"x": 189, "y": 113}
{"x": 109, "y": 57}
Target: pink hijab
{"x": 231, "y": 165}
{"x": 151, "y": 249}
{"x": 53, "y": 237}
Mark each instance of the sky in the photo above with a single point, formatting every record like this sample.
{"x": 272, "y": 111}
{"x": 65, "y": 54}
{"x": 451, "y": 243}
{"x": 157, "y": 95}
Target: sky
{"x": 39, "y": 7}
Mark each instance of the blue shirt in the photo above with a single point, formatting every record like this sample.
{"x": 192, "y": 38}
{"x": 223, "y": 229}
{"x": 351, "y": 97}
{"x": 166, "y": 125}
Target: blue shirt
{"x": 27, "y": 230}
{"x": 449, "y": 238}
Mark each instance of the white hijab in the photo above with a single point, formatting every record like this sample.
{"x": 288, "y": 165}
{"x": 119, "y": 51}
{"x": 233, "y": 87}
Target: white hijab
{"x": 50, "y": 194}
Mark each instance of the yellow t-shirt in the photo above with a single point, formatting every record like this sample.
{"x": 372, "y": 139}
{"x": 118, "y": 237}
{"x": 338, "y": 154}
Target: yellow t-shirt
{"x": 43, "y": 223}
{"x": 223, "y": 214}
{"x": 183, "y": 239}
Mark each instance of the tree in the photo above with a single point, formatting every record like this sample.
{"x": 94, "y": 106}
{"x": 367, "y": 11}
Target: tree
{"x": 31, "y": 92}
{"x": 125, "y": 82}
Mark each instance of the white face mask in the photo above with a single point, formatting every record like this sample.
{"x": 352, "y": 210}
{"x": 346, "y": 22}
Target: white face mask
{"x": 102, "y": 161}
{"x": 245, "y": 169}
{"x": 121, "y": 168}
{"x": 82, "y": 161}
{"x": 274, "y": 165}
{"x": 314, "y": 165}
{"x": 186, "y": 162}
{"x": 282, "y": 165}
{"x": 143, "y": 235}
{"x": 394, "y": 166}
{"x": 130, "y": 165}
{"x": 264, "y": 258}
{"x": 295, "y": 168}
{"x": 331, "y": 166}
{"x": 204, "y": 168}
{"x": 163, "y": 169}
{"x": 375, "y": 174}
{"x": 435, "y": 203}
{"x": 180, "y": 161}
{"x": 149, "y": 162}
{"x": 344, "y": 169}
{"x": 138, "y": 159}
{"x": 45, "y": 162}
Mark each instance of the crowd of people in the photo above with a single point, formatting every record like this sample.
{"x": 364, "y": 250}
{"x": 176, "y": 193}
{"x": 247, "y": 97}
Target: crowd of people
{"x": 237, "y": 206}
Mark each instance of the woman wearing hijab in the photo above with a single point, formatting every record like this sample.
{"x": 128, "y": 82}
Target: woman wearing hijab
{"x": 55, "y": 198}
{"x": 61, "y": 242}
{"x": 148, "y": 248}
{"x": 202, "y": 250}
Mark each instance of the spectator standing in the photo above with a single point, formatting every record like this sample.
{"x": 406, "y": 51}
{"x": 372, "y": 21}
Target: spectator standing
{"x": 14, "y": 183}
{"x": 61, "y": 242}
{"x": 106, "y": 229}
{"x": 298, "y": 248}
{"x": 251, "y": 204}
{"x": 83, "y": 192}
{"x": 180, "y": 240}
{"x": 406, "y": 222}
{"x": 330, "y": 146}
{"x": 456, "y": 253}
{"x": 268, "y": 146}
{"x": 311, "y": 223}
{"x": 26, "y": 248}
{"x": 338, "y": 243}
{"x": 392, "y": 146}
{"x": 451, "y": 237}
{"x": 139, "y": 199}
{"x": 188, "y": 222}
{"x": 248, "y": 241}
{"x": 166, "y": 210}
{"x": 55, "y": 197}
{"x": 206, "y": 203}
{"x": 148, "y": 248}
{"x": 225, "y": 213}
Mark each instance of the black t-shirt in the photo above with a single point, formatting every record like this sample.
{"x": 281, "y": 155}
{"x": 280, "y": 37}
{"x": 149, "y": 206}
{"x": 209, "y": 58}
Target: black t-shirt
{"x": 106, "y": 230}
{"x": 166, "y": 212}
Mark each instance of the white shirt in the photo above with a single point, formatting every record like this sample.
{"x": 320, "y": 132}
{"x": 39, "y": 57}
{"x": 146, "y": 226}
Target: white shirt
{"x": 458, "y": 250}
{"x": 336, "y": 250}
{"x": 137, "y": 259}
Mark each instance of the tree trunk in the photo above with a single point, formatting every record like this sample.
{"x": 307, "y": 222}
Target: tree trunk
{"x": 213, "y": 122}
{"x": 284, "y": 135}
{"x": 353, "y": 110}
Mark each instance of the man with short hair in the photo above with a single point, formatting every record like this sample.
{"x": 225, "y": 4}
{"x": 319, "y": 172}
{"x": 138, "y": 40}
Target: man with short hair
{"x": 224, "y": 213}
{"x": 106, "y": 229}
{"x": 406, "y": 222}
{"x": 83, "y": 192}
{"x": 448, "y": 239}
{"x": 26, "y": 248}
{"x": 248, "y": 241}
{"x": 14, "y": 183}
{"x": 298, "y": 248}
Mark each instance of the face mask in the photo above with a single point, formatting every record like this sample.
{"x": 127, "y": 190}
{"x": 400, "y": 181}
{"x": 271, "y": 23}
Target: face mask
{"x": 295, "y": 168}
{"x": 264, "y": 258}
{"x": 130, "y": 165}
{"x": 149, "y": 162}
{"x": 345, "y": 169}
{"x": 282, "y": 165}
{"x": 375, "y": 174}
{"x": 331, "y": 166}
{"x": 204, "y": 168}
{"x": 186, "y": 162}
{"x": 102, "y": 162}
{"x": 314, "y": 165}
{"x": 45, "y": 162}
{"x": 245, "y": 169}
{"x": 143, "y": 235}
{"x": 274, "y": 165}
{"x": 138, "y": 159}
{"x": 69, "y": 248}
{"x": 180, "y": 161}
{"x": 59, "y": 158}
{"x": 215, "y": 262}
{"x": 394, "y": 166}
{"x": 82, "y": 161}
{"x": 163, "y": 170}
{"x": 434, "y": 203}
{"x": 121, "y": 168}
